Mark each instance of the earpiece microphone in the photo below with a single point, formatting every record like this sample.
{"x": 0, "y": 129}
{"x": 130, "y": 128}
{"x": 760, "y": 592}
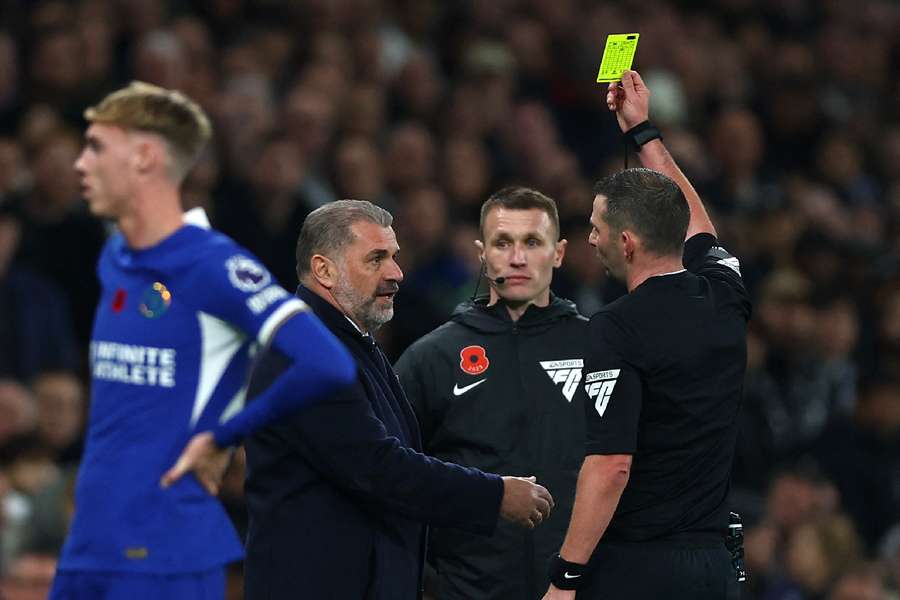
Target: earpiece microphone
{"x": 483, "y": 273}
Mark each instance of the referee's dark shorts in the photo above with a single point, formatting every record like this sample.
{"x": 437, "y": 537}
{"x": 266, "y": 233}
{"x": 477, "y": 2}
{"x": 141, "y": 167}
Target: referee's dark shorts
{"x": 697, "y": 568}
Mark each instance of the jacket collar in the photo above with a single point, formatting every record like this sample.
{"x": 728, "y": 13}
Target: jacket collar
{"x": 334, "y": 319}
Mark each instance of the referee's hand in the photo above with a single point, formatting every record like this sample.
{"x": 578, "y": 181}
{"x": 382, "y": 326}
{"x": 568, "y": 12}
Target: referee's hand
{"x": 525, "y": 502}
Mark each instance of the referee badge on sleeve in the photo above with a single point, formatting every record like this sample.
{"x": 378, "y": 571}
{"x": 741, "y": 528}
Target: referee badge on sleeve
{"x": 599, "y": 386}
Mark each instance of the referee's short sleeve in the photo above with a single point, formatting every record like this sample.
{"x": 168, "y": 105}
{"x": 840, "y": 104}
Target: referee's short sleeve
{"x": 705, "y": 257}
{"x": 613, "y": 387}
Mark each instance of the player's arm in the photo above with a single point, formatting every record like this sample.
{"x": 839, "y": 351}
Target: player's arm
{"x": 631, "y": 103}
{"x": 319, "y": 365}
{"x": 238, "y": 297}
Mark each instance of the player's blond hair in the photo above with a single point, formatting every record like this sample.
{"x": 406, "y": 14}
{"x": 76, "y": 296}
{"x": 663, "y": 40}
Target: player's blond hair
{"x": 168, "y": 113}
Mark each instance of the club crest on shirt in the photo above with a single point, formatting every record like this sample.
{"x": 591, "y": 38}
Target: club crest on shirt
{"x": 246, "y": 274}
{"x": 473, "y": 360}
{"x": 566, "y": 372}
{"x": 155, "y": 301}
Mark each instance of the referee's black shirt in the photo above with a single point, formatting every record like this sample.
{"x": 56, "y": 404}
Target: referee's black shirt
{"x": 664, "y": 375}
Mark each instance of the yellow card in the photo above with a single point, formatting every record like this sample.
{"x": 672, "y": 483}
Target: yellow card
{"x": 617, "y": 56}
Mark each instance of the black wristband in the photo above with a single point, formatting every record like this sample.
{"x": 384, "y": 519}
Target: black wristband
{"x": 566, "y": 575}
{"x": 640, "y": 134}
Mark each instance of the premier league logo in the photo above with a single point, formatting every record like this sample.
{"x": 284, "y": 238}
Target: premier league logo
{"x": 246, "y": 274}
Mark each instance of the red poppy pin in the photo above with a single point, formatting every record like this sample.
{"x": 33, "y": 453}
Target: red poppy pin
{"x": 473, "y": 360}
{"x": 118, "y": 302}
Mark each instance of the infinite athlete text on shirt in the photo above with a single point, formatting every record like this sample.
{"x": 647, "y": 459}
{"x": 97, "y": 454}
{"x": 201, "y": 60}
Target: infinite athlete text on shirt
{"x": 137, "y": 365}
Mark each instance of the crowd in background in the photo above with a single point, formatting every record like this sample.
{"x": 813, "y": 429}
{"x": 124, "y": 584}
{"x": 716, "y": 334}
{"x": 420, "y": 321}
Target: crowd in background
{"x": 785, "y": 114}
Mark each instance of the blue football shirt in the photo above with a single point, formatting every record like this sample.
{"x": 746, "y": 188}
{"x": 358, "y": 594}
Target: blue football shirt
{"x": 174, "y": 334}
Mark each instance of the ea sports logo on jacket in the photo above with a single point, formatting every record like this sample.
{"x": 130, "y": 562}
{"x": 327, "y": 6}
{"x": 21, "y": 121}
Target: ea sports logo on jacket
{"x": 566, "y": 372}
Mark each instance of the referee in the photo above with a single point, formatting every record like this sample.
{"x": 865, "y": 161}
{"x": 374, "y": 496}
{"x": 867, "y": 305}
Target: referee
{"x": 663, "y": 375}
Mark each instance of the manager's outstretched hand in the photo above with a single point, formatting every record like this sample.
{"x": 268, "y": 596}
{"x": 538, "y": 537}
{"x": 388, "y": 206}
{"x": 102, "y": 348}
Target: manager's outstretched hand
{"x": 525, "y": 502}
{"x": 205, "y": 459}
{"x": 630, "y": 100}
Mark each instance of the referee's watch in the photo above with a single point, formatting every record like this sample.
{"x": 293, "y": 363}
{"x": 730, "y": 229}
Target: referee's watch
{"x": 566, "y": 575}
{"x": 640, "y": 134}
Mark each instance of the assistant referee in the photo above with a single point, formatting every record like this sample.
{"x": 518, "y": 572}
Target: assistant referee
{"x": 664, "y": 374}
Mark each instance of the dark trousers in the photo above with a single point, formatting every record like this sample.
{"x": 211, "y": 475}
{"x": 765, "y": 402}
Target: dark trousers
{"x": 655, "y": 570}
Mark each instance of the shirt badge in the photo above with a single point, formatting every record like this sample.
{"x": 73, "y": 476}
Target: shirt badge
{"x": 155, "y": 301}
{"x": 473, "y": 360}
{"x": 246, "y": 274}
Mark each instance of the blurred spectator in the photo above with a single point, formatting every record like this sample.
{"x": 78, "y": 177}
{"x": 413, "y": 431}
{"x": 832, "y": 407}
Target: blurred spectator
{"x": 864, "y": 582}
{"x": 10, "y": 94}
{"x": 790, "y": 395}
{"x": 36, "y": 331}
{"x": 818, "y": 553}
{"x": 59, "y": 238}
{"x": 358, "y": 172}
{"x": 18, "y": 413}
{"x": 862, "y": 456}
{"x": 61, "y": 412}
{"x": 268, "y": 214}
{"x": 28, "y": 577}
{"x": 409, "y": 158}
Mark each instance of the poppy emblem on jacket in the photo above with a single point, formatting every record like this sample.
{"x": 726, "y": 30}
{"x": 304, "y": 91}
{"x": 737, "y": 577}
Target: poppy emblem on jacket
{"x": 118, "y": 302}
{"x": 473, "y": 360}
{"x": 155, "y": 301}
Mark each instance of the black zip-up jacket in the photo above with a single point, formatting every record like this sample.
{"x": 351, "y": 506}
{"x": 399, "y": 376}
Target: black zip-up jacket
{"x": 505, "y": 397}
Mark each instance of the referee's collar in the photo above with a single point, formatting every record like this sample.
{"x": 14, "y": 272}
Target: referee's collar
{"x": 669, "y": 273}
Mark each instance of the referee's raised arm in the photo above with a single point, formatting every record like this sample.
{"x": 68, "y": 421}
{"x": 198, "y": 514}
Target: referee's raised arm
{"x": 631, "y": 103}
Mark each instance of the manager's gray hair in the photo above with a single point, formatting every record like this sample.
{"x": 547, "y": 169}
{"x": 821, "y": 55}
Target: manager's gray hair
{"x": 326, "y": 230}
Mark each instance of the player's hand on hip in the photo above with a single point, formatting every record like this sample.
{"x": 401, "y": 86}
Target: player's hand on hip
{"x": 630, "y": 100}
{"x": 205, "y": 459}
{"x": 525, "y": 502}
{"x": 554, "y": 593}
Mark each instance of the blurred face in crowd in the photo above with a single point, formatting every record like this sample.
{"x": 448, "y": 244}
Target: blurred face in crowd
{"x": 54, "y": 180}
{"x": 60, "y": 403}
{"x": 368, "y": 276}
{"x": 17, "y": 412}
{"x": 521, "y": 246}
{"x": 357, "y": 167}
{"x": 105, "y": 166}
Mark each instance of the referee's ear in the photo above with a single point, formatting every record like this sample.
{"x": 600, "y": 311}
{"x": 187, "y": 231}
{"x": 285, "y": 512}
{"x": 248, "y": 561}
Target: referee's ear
{"x": 630, "y": 244}
{"x": 560, "y": 253}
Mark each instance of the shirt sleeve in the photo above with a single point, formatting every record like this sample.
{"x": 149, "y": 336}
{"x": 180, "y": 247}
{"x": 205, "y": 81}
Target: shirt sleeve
{"x": 705, "y": 257}
{"x": 614, "y": 391}
{"x": 239, "y": 290}
{"x": 317, "y": 365}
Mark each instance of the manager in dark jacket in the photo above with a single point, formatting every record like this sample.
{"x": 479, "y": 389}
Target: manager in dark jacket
{"x": 339, "y": 494}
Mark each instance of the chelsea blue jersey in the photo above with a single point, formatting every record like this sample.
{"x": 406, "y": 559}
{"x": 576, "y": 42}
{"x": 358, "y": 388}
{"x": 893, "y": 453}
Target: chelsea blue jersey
{"x": 173, "y": 338}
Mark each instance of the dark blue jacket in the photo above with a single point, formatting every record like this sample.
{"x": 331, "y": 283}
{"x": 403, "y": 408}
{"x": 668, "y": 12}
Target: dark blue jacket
{"x": 339, "y": 494}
